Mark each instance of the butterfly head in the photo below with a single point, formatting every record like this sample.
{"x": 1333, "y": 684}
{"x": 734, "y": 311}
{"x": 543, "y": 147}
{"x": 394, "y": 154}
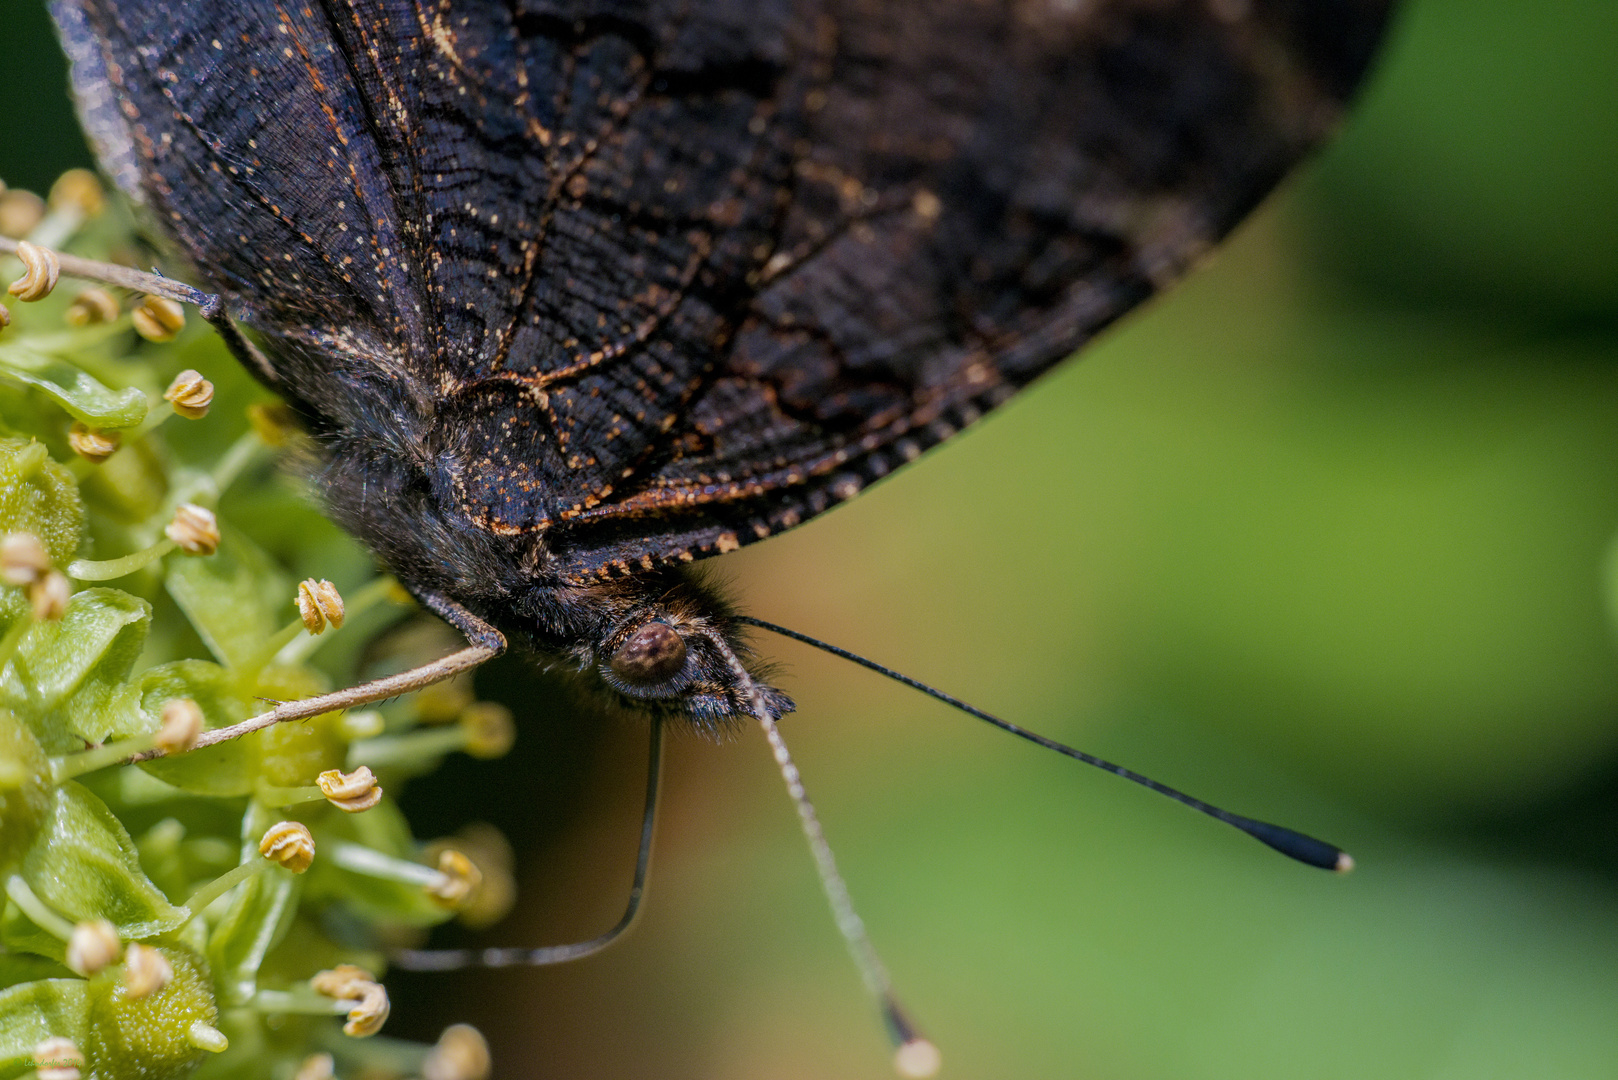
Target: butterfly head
{"x": 681, "y": 655}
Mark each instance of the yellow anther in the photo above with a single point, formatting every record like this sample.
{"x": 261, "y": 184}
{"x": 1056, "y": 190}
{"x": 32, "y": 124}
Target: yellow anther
{"x": 90, "y": 307}
{"x": 40, "y": 271}
{"x": 370, "y": 1014}
{"x": 341, "y": 982}
{"x": 489, "y": 729}
{"x": 78, "y": 189}
{"x": 350, "y": 792}
{"x": 20, "y": 211}
{"x": 91, "y": 445}
{"x": 50, "y": 596}
{"x": 146, "y": 971}
{"x": 288, "y": 844}
{"x": 443, "y": 702}
{"x": 491, "y": 853}
{"x": 194, "y": 529}
{"x": 458, "y": 879}
{"x": 157, "y": 318}
{"x": 354, "y": 984}
{"x": 182, "y": 725}
{"x": 190, "y": 394}
{"x": 460, "y": 1054}
{"x": 319, "y": 603}
{"x": 272, "y": 422}
{"x": 316, "y": 1067}
{"x": 93, "y": 946}
{"x": 23, "y": 559}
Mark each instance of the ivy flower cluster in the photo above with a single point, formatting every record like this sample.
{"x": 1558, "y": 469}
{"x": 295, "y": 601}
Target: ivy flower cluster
{"x": 177, "y": 906}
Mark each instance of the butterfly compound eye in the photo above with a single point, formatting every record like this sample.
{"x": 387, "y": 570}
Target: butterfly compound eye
{"x": 653, "y": 654}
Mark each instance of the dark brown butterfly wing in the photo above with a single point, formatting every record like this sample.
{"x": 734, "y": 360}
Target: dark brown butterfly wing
{"x": 980, "y": 188}
{"x": 642, "y": 282}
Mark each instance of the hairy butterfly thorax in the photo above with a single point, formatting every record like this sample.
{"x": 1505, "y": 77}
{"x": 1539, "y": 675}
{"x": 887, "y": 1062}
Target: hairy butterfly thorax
{"x": 599, "y": 627}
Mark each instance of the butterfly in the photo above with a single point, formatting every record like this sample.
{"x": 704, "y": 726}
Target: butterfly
{"x": 572, "y": 295}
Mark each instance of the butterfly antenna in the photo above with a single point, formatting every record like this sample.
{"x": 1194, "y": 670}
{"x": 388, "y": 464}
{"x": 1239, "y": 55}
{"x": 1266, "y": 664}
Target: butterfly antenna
{"x": 914, "y": 1055}
{"x": 1289, "y": 842}
{"x": 455, "y": 959}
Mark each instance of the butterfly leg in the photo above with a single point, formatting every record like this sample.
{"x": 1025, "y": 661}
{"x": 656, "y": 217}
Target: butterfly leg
{"x": 484, "y": 643}
{"x": 210, "y": 305}
{"x": 246, "y": 353}
{"x": 453, "y": 959}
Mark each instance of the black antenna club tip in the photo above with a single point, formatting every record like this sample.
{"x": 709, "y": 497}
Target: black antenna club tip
{"x": 1295, "y": 845}
{"x": 917, "y": 1059}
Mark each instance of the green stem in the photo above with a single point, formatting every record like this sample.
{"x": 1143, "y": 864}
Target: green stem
{"x": 238, "y": 457}
{"x": 372, "y": 863}
{"x": 36, "y": 910}
{"x": 305, "y": 1004}
{"x": 219, "y": 886}
{"x": 272, "y": 647}
{"x": 394, "y": 1057}
{"x": 57, "y": 227}
{"x": 154, "y": 418}
{"x": 68, "y": 766}
{"x": 414, "y": 748}
{"x": 192, "y": 486}
{"x": 106, "y": 570}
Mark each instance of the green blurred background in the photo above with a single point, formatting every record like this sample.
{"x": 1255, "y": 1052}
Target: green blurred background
{"x": 1321, "y": 536}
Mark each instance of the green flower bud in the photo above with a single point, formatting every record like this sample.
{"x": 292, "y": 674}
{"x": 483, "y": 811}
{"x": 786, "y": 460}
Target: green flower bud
{"x": 149, "y": 1035}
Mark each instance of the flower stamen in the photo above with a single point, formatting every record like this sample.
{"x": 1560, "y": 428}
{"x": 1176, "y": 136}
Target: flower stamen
{"x": 350, "y": 792}
{"x": 146, "y": 971}
{"x": 369, "y": 999}
{"x": 158, "y": 319}
{"x": 93, "y": 946}
{"x": 41, "y": 269}
{"x": 91, "y": 445}
{"x": 319, "y": 603}
{"x": 190, "y": 394}
{"x": 289, "y": 844}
